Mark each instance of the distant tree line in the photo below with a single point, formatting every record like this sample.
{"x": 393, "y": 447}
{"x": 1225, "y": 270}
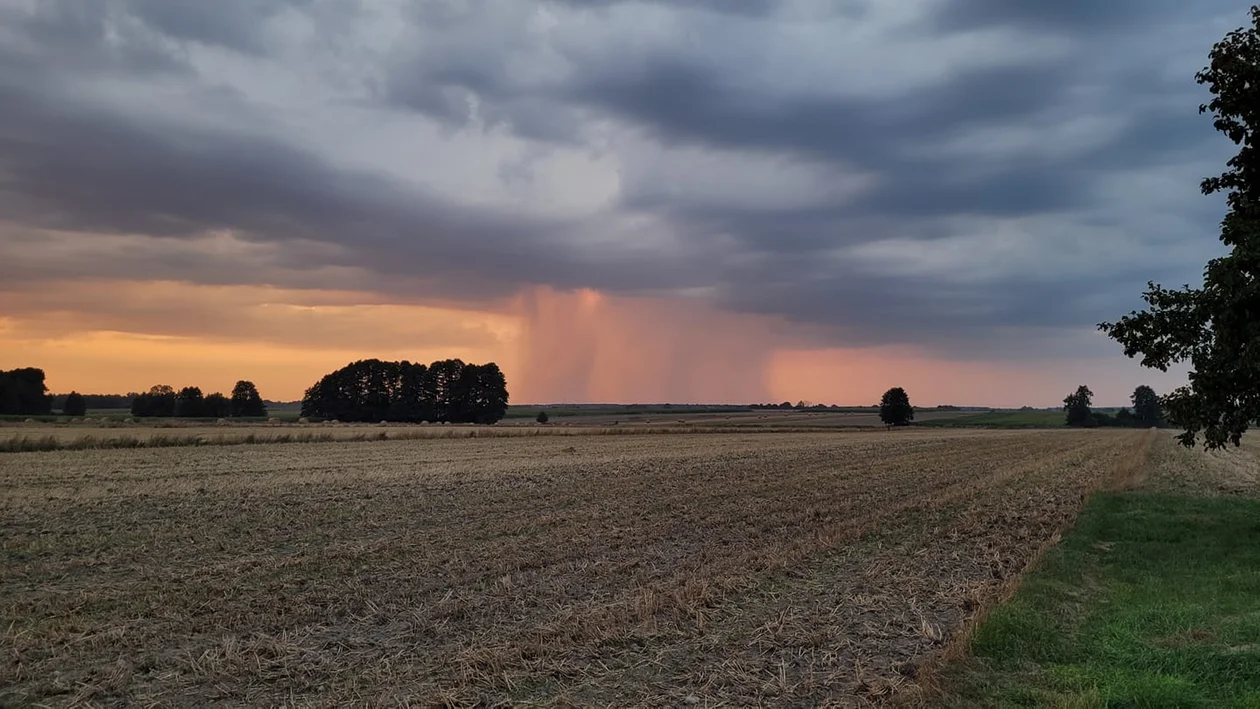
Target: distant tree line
{"x": 798, "y": 406}
{"x": 807, "y": 406}
{"x": 93, "y": 401}
{"x": 448, "y": 391}
{"x": 23, "y": 392}
{"x": 189, "y": 402}
{"x": 1147, "y": 410}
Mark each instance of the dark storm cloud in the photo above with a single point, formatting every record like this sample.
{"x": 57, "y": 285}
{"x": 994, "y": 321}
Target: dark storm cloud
{"x": 683, "y": 102}
{"x": 69, "y": 163}
{"x": 71, "y": 168}
{"x": 235, "y": 24}
{"x": 740, "y": 7}
{"x": 1084, "y": 16}
{"x": 84, "y": 38}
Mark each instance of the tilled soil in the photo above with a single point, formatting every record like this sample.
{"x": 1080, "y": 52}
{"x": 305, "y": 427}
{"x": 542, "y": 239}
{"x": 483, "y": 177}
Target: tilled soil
{"x": 707, "y": 570}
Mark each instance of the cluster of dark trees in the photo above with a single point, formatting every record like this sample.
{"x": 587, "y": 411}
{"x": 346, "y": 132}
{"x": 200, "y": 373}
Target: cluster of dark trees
{"x": 447, "y": 391}
{"x": 23, "y": 392}
{"x": 189, "y": 402}
{"x": 1147, "y": 410}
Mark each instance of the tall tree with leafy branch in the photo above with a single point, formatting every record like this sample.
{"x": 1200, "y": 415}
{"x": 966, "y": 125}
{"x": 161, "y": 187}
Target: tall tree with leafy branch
{"x": 1216, "y": 328}
{"x": 1077, "y": 406}
{"x": 246, "y": 400}
{"x": 1146, "y": 406}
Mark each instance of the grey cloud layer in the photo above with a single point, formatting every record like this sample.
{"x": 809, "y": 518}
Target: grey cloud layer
{"x": 971, "y": 136}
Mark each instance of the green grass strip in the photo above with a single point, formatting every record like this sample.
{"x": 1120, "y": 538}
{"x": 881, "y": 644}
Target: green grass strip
{"x": 1001, "y": 419}
{"x": 1151, "y": 601}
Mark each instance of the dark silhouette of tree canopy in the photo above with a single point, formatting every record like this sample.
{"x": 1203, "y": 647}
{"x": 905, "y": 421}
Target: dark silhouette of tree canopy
{"x": 246, "y": 401}
{"x": 1216, "y": 327}
{"x": 895, "y": 408}
{"x": 542, "y": 417}
{"x": 190, "y": 403}
{"x": 374, "y": 390}
{"x": 1077, "y": 406}
{"x": 160, "y": 400}
{"x": 75, "y": 405}
{"x": 217, "y": 406}
{"x": 22, "y": 391}
{"x": 1146, "y": 407}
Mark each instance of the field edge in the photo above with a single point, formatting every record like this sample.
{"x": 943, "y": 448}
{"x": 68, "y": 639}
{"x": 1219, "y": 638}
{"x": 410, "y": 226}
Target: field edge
{"x": 1114, "y": 615}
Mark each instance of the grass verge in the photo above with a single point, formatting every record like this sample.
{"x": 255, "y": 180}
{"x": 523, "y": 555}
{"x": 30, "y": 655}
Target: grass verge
{"x": 1151, "y": 601}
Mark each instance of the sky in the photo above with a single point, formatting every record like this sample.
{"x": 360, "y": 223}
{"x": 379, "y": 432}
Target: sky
{"x": 720, "y": 201}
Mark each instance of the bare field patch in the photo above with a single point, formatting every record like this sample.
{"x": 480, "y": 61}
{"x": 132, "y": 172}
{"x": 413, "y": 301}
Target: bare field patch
{"x": 723, "y": 569}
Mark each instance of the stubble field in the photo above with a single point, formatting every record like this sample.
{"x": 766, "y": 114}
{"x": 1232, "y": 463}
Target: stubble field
{"x": 120, "y": 432}
{"x": 794, "y": 569}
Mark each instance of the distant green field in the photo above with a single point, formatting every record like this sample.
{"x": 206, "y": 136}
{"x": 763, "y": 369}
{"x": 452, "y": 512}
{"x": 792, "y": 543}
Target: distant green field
{"x": 1003, "y": 419}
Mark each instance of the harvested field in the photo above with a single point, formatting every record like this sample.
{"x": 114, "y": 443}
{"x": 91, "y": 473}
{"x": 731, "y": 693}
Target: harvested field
{"x": 54, "y": 438}
{"x": 164, "y": 433}
{"x": 756, "y": 419}
{"x": 724, "y": 569}
{"x": 1179, "y": 470}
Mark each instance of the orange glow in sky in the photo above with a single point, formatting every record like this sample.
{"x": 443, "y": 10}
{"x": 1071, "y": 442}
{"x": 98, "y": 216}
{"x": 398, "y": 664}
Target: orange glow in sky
{"x": 582, "y": 346}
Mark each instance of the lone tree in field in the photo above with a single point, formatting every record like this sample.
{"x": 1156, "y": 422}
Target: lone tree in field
{"x": 1215, "y": 327}
{"x": 75, "y": 405}
{"x": 1077, "y": 407}
{"x": 542, "y": 417}
{"x": 1146, "y": 407}
{"x": 895, "y": 408}
{"x": 246, "y": 400}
